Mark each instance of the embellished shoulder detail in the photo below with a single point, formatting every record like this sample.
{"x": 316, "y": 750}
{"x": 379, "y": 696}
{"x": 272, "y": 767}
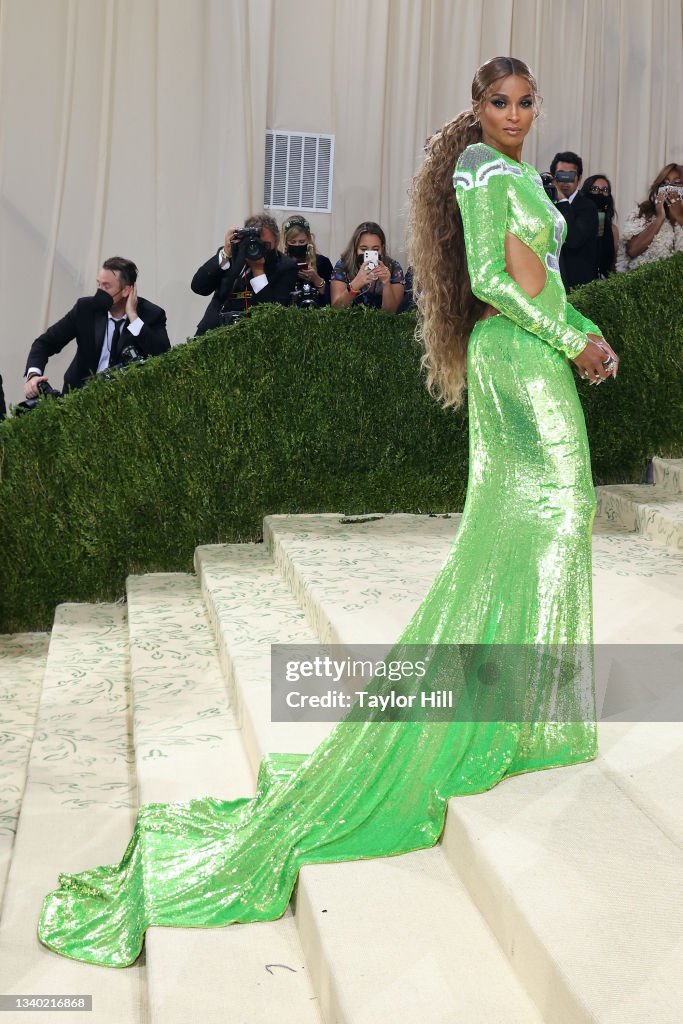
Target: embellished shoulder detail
{"x": 477, "y": 163}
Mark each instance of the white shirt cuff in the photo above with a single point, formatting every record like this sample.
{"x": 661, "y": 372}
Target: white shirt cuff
{"x": 34, "y": 369}
{"x": 258, "y": 283}
{"x": 135, "y": 327}
{"x": 225, "y": 265}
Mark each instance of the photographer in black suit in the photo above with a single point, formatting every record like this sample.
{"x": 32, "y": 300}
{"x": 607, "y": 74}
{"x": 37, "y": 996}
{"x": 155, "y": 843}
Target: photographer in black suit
{"x": 104, "y": 325}
{"x": 579, "y": 253}
{"x": 246, "y": 271}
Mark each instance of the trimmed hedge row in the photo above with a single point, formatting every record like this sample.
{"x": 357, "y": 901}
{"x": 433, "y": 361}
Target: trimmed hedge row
{"x": 287, "y": 412}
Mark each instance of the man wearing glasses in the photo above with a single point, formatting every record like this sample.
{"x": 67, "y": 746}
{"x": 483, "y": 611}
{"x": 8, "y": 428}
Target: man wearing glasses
{"x": 579, "y": 253}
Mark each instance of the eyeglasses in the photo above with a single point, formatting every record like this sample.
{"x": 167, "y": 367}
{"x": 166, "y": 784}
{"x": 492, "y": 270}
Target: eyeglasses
{"x": 597, "y": 190}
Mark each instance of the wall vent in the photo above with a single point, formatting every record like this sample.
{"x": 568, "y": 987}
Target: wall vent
{"x": 298, "y": 172}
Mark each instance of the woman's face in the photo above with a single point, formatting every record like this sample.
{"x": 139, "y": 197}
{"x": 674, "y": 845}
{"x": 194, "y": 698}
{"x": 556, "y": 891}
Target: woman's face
{"x": 601, "y": 187}
{"x": 507, "y": 113}
{"x": 673, "y": 177}
{"x": 297, "y": 237}
{"x": 369, "y": 241}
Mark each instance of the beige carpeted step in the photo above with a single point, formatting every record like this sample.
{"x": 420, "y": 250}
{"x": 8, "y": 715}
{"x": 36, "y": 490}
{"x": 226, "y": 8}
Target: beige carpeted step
{"x": 392, "y": 939}
{"x": 668, "y": 474}
{"x": 653, "y": 511}
{"x": 22, "y": 666}
{"x": 77, "y": 812}
{"x": 188, "y": 745}
{"x": 251, "y": 607}
{"x": 582, "y": 890}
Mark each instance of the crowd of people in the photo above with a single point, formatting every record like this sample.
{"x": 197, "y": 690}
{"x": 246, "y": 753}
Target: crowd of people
{"x": 263, "y": 262}
{"x": 593, "y": 247}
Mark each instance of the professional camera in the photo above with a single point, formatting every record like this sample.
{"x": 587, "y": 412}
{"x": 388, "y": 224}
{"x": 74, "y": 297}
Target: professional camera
{"x": 305, "y": 296}
{"x": 45, "y": 388}
{"x": 248, "y": 243}
{"x": 228, "y": 317}
{"x": 549, "y": 186}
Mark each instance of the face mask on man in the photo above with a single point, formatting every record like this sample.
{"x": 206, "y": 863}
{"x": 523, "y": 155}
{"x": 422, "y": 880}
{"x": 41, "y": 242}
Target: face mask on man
{"x": 102, "y": 301}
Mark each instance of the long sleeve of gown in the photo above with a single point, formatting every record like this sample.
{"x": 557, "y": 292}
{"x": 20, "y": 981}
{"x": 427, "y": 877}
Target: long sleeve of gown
{"x": 482, "y": 183}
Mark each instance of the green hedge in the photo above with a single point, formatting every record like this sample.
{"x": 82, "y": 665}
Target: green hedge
{"x": 289, "y": 411}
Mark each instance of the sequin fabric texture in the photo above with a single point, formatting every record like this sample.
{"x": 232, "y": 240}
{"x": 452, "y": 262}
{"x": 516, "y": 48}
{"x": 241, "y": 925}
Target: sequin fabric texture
{"x": 519, "y": 574}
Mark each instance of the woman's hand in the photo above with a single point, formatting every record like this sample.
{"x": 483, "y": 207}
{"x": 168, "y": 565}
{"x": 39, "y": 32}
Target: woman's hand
{"x": 382, "y": 273}
{"x": 363, "y": 279}
{"x": 597, "y": 361}
{"x": 674, "y": 206}
{"x": 313, "y": 277}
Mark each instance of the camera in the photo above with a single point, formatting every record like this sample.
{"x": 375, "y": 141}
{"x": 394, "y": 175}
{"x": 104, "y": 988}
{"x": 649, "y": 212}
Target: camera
{"x": 305, "y": 296}
{"x": 247, "y": 242}
{"x": 45, "y": 388}
{"x": 565, "y": 176}
{"x": 228, "y": 317}
{"x": 548, "y": 186}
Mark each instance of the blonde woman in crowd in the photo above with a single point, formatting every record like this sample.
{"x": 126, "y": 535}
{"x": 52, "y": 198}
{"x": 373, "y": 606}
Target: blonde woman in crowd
{"x": 298, "y": 242}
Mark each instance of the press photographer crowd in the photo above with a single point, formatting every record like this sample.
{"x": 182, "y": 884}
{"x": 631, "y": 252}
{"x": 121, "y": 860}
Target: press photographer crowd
{"x": 260, "y": 262}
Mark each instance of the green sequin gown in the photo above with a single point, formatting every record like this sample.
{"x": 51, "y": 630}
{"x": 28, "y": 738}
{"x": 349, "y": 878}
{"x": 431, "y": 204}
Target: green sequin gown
{"x": 519, "y": 573}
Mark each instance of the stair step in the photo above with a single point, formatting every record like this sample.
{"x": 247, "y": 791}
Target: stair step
{"x": 22, "y": 667}
{"x": 78, "y": 807}
{"x": 359, "y": 940}
{"x": 359, "y": 582}
{"x": 251, "y": 607}
{"x": 188, "y": 745}
{"x": 650, "y": 510}
{"x": 180, "y": 700}
{"x": 668, "y": 474}
{"x": 582, "y": 891}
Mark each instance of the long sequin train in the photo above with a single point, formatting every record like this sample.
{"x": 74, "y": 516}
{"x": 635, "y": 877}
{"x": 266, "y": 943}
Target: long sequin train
{"x": 372, "y": 789}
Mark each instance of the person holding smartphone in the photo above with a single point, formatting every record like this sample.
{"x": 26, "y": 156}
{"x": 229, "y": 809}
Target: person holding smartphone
{"x": 298, "y": 242}
{"x": 654, "y": 229}
{"x": 365, "y": 275}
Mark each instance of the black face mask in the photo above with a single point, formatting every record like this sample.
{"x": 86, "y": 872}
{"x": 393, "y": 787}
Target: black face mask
{"x": 102, "y": 301}
{"x": 298, "y": 252}
{"x": 601, "y": 201}
{"x": 271, "y": 256}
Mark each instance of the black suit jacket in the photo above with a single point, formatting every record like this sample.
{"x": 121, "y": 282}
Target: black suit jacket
{"x": 579, "y": 253}
{"x": 87, "y": 325}
{"x": 281, "y": 274}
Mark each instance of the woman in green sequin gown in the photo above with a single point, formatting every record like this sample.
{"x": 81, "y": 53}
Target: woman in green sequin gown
{"x": 519, "y": 573}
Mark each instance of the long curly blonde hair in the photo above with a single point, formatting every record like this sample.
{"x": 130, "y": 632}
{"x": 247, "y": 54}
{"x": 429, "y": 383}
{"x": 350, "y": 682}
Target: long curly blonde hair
{"x": 447, "y": 309}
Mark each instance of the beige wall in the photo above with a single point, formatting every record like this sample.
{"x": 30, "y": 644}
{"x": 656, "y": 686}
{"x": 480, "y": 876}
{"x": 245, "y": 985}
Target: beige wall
{"x": 136, "y": 127}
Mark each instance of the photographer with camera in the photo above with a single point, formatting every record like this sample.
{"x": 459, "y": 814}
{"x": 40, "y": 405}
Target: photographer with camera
{"x": 247, "y": 270}
{"x": 365, "y": 275}
{"x": 112, "y": 327}
{"x": 654, "y": 229}
{"x": 579, "y": 253}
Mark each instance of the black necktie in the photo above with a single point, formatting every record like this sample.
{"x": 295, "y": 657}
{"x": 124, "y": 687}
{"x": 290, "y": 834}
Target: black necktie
{"x": 114, "y": 350}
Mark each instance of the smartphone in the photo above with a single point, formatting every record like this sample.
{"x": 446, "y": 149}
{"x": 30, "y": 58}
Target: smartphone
{"x": 371, "y": 257}
{"x": 664, "y": 191}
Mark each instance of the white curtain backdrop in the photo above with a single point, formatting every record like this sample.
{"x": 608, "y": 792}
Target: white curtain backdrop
{"x": 137, "y": 127}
